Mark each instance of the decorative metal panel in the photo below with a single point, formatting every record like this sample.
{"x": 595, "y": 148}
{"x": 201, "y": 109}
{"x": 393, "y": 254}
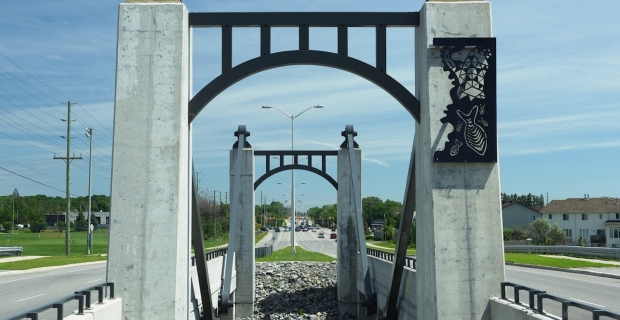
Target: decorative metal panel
{"x": 471, "y": 64}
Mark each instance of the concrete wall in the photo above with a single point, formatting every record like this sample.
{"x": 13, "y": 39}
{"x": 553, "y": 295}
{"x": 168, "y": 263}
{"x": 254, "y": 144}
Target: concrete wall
{"x": 507, "y": 310}
{"x": 244, "y": 233}
{"x": 149, "y": 249}
{"x": 459, "y": 244}
{"x": 110, "y": 309}
{"x": 348, "y": 243}
{"x": 214, "y": 267}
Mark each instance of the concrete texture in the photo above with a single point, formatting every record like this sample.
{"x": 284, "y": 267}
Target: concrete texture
{"x": 149, "y": 248}
{"x": 244, "y": 234}
{"x": 508, "y": 310}
{"x": 459, "y": 239}
{"x": 347, "y": 235}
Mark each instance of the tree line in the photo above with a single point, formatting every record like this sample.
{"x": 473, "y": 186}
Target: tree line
{"x": 528, "y": 200}
{"x": 28, "y": 210}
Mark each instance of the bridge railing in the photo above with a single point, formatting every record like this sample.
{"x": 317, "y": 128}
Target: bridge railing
{"x": 541, "y": 295}
{"x": 410, "y": 262}
{"x": 11, "y": 251}
{"x": 611, "y": 253}
{"x": 82, "y": 296}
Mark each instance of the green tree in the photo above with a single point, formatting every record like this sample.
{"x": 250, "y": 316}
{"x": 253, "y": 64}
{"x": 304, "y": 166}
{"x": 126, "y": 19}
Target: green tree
{"x": 520, "y": 233}
{"x": 540, "y": 230}
{"x": 507, "y": 234}
{"x": 413, "y": 234}
{"x": 80, "y": 222}
{"x": 556, "y": 234}
{"x": 37, "y": 226}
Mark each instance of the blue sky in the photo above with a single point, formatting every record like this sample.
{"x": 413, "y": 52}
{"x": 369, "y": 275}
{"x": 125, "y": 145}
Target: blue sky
{"x": 558, "y": 93}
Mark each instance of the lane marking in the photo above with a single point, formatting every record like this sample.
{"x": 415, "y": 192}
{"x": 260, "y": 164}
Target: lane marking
{"x": 51, "y": 274}
{"x": 554, "y": 275}
{"x": 590, "y": 303}
{"x": 94, "y": 281}
{"x": 28, "y": 298}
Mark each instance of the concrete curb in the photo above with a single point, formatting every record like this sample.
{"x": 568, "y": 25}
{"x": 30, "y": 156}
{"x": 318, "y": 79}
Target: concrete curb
{"x": 586, "y": 272}
{"x": 35, "y": 270}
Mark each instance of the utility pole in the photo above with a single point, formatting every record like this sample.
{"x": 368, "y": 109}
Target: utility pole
{"x": 67, "y": 160}
{"x": 89, "y": 235}
{"x": 15, "y": 194}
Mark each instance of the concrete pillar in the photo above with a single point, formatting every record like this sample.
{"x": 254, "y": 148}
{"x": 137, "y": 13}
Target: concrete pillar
{"x": 149, "y": 249}
{"x": 244, "y": 230}
{"x": 348, "y": 243}
{"x": 459, "y": 238}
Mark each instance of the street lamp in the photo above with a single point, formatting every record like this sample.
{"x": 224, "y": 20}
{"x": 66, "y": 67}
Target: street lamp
{"x": 292, "y": 117}
{"x": 89, "y": 135}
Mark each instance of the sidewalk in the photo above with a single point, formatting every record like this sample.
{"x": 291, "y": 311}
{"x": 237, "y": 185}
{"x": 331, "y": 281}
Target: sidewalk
{"x": 20, "y": 258}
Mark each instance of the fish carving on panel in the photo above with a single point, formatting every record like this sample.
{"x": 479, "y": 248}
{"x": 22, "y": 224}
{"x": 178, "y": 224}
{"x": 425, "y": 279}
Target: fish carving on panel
{"x": 470, "y": 63}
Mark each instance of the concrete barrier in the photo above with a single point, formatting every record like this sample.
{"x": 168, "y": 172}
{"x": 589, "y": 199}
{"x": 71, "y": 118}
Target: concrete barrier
{"x": 110, "y": 309}
{"x": 508, "y": 310}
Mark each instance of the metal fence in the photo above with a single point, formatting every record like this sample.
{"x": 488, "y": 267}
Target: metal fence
{"x": 261, "y": 252}
{"x": 595, "y": 252}
{"x": 539, "y": 296}
{"x": 82, "y": 296}
{"x": 11, "y": 251}
{"x": 410, "y": 262}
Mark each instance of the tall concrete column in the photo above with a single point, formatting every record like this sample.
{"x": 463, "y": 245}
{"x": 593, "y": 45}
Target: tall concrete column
{"x": 148, "y": 257}
{"x": 244, "y": 233}
{"x": 348, "y": 244}
{"x": 459, "y": 239}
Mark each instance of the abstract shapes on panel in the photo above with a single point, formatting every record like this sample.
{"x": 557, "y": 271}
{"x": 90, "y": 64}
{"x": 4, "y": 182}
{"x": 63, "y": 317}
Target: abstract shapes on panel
{"x": 471, "y": 64}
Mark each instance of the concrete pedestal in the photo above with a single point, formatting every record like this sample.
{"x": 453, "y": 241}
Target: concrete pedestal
{"x": 459, "y": 228}
{"x": 148, "y": 258}
{"x": 348, "y": 243}
{"x": 244, "y": 234}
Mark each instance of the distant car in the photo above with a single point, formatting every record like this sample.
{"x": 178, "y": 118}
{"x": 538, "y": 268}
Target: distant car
{"x": 297, "y": 229}
{"x": 332, "y": 236}
{"x": 263, "y": 228}
{"x": 277, "y": 229}
{"x": 321, "y": 235}
{"x": 313, "y": 230}
{"x": 304, "y": 229}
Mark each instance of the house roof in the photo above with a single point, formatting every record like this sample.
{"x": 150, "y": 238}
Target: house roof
{"x": 580, "y": 205}
{"x": 612, "y": 222}
{"x": 508, "y": 204}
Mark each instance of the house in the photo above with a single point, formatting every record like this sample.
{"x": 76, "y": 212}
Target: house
{"x": 595, "y": 219}
{"x": 515, "y": 215}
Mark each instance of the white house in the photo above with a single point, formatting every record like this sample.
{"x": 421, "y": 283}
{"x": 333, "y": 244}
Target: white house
{"x": 592, "y": 218}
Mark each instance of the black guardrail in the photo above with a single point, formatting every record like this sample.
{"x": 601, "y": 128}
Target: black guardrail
{"x": 82, "y": 296}
{"x": 261, "y": 252}
{"x": 410, "y": 262}
{"x": 541, "y": 295}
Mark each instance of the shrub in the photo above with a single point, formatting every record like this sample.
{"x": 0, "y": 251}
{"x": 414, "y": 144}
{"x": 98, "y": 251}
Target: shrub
{"x": 38, "y": 226}
{"x": 520, "y": 233}
{"x": 507, "y": 234}
{"x": 540, "y": 230}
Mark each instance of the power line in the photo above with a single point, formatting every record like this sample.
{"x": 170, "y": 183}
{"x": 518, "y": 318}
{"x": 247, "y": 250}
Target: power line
{"x": 26, "y": 91}
{"x": 20, "y": 99}
{"x": 41, "y": 82}
{"x": 39, "y": 172}
{"x": 52, "y": 133}
{"x": 24, "y": 142}
{"x": 31, "y": 135}
{"x": 41, "y": 183}
{"x": 94, "y": 118}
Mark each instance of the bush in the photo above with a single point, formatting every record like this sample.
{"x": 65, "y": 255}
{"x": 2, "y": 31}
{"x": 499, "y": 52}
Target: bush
{"x": 520, "y": 233}
{"x": 507, "y": 234}
{"x": 388, "y": 232}
{"x": 556, "y": 234}
{"x": 540, "y": 230}
{"x": 38, "y": 226}
{"x": 580, "y": 241}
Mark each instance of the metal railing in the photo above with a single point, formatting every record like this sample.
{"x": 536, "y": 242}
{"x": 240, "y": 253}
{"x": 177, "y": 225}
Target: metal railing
{"x": 14, "y": 251}
{"x": 410, "y": 262}
{"x": 541, "y": 295}
{"x": 82, "y": 296}
{"x": 612, "y": 253}
{"x": 261, "y": 252}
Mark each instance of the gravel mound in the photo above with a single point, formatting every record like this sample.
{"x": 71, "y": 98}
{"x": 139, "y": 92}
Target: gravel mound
{"x": 296, "y": 290}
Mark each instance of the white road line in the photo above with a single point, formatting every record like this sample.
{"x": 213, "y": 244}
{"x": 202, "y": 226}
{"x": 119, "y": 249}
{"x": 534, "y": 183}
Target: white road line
{"x": 590, "y": 303}
{"x": 28, "y": 298}
{"x": 94, "y": 281}
{"x": 50, "y": 274}
{"x": 554, "y": 275}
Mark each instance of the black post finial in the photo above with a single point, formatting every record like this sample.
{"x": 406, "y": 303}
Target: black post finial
{"x": 242, "y": 130}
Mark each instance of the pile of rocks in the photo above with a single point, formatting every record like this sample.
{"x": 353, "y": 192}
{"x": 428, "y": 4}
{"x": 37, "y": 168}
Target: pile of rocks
{"x": 296, "y": 290}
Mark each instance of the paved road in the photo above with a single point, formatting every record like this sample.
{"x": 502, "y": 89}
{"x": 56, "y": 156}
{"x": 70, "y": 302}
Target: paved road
{"x": 23, "y": 291}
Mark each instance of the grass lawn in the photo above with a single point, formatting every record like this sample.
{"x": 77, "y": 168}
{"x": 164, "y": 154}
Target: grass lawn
{"x": 387, "y": 245}
{"x": 50, "y": 262}
{"x": 301, "y": 255}
{"x": 53, "y": 244}
{"x": 534, "y": 259}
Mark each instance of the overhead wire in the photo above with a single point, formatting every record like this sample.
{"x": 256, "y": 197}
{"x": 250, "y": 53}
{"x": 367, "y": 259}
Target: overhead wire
{"x": 41, "y": 183}
{"x": 52, "y": 133}
{"x": 31, "y": 135}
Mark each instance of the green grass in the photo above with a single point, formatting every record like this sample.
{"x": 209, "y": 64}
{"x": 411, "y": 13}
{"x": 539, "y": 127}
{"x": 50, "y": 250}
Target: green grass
{"x": 260, "y": 236}
{"x": 49, "y": 262}
{"x": 301, "y": 255}
{"x": 389, "y": 246}
{"x": 55, "y": 245}
{"x": 534, "y": 259}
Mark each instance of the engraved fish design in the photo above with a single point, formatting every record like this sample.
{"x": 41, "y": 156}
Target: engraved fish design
{"x": 475, "y": 137}
{"x": 459, "y": 127}
{"x": 455, "y": 148}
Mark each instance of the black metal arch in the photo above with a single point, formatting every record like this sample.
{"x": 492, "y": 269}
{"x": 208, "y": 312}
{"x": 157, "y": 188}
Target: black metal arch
{"x": 296, "y": 167}
{"x": 306, "y": 57}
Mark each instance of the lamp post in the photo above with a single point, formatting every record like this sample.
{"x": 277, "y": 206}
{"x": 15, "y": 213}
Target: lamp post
{"x": 292, "y": 117}
{"x": 15, "y": 194}
{"x": 89, "y": 135}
